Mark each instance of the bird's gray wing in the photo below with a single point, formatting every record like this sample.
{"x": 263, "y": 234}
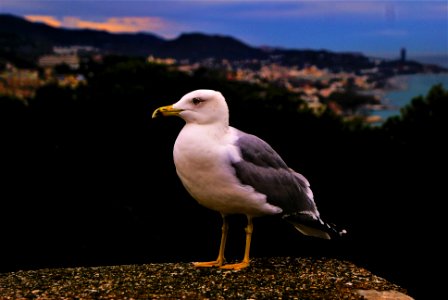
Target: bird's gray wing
{"x": 262, "y": 168}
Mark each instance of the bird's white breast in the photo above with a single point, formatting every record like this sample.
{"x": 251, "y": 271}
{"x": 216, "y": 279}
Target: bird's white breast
{"x": 203, "y": 157}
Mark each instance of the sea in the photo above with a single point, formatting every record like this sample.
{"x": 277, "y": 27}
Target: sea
{"x": 404, "y": 89}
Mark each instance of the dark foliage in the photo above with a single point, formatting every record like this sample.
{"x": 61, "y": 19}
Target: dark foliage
{"x": 350, "y": 101}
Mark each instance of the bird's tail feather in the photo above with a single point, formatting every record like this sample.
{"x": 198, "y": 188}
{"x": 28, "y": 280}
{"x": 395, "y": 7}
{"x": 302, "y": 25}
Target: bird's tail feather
{"x": 314, "y": 227}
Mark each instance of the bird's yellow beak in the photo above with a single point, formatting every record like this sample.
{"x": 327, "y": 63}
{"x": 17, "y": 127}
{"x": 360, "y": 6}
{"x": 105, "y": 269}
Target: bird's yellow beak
{"x": 166, "y": 111}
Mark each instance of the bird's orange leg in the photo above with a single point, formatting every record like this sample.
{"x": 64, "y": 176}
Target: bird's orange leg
{"x": 220, "y": 260}
{"x": 246, "y": 260}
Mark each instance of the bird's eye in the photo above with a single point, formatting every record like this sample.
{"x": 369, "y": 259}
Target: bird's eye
{"x": 196, "y": 101}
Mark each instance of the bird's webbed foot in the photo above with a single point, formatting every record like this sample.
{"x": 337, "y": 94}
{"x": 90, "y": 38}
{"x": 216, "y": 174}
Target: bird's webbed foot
{"x": 236, "y": 267}
{"x": 208, "y": 264}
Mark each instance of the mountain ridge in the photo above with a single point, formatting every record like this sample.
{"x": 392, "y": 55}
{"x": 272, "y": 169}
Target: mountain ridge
{"x": 23, "y": 42}
{"x": 35, "y": 39}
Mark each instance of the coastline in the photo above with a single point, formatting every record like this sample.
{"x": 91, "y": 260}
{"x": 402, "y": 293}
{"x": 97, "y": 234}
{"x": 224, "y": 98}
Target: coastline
{"x": 400, "y": 90}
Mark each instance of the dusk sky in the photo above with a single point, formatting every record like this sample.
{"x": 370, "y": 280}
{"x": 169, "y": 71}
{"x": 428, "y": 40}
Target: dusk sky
{"x": 371, "y": 27}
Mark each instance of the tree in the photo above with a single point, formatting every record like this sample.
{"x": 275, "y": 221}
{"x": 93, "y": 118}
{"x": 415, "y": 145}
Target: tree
{"x": 423, "y": 123}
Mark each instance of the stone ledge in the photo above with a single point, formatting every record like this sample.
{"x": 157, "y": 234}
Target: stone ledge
{"x": 266, "y": 278}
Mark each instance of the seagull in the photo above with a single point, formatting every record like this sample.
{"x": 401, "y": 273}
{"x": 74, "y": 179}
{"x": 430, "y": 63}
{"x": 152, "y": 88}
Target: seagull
{"x": 233, "y": 172}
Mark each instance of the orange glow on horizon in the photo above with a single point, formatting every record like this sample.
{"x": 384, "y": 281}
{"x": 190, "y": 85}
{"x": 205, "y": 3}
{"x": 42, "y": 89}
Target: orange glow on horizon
{"x": 49, "y": 20}
{"x": 113, "y": 25}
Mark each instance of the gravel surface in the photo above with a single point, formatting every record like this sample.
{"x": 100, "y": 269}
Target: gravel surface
{"x": 266, "y": 278}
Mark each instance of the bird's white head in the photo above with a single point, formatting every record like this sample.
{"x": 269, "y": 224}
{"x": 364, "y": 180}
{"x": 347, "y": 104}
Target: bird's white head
{"x": 199, "y": 106}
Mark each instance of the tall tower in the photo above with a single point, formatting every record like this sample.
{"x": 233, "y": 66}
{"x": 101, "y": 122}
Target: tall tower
{"x": 403, "y": 54}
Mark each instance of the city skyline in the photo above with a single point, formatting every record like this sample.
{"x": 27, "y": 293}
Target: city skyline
{"x": 376, "y": 28}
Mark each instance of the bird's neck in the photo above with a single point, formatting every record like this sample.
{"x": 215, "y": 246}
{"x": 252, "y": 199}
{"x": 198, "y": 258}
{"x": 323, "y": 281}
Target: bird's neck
{"x": 209, "y": 131}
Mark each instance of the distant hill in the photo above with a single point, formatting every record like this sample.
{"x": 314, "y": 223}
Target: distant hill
{"x": 19, "y": 37}
{"x": 199, "y": 46}
{"x": 22, "y": 42}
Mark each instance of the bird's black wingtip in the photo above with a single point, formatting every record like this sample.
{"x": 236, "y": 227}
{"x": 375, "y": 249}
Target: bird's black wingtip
{"x": 335, "y": 232}
{"x": 315, "y": 227}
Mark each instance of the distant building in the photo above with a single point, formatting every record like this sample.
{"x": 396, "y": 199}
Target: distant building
{"x": 74, "y": 50}
{"x": 20, "y": 83}
{"x": 50, "y": 61}
{"x": 161, "y": 61}
{"x": 403, "y": 54}
{"x": 70, "y": 56}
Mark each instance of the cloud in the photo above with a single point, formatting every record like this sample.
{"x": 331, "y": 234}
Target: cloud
{"x": 390, "y": 10}
{"x": 49, "y": 20}
{"x": 113, "y": 24}
{"x": 308, "y": 9}
{"x": 118, "y": 24}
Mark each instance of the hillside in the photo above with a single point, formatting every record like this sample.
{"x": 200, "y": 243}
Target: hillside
{"x": 23, "y": 40}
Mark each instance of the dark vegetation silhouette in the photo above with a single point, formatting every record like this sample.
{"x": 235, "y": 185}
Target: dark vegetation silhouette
{"x": 88, "y": 176}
